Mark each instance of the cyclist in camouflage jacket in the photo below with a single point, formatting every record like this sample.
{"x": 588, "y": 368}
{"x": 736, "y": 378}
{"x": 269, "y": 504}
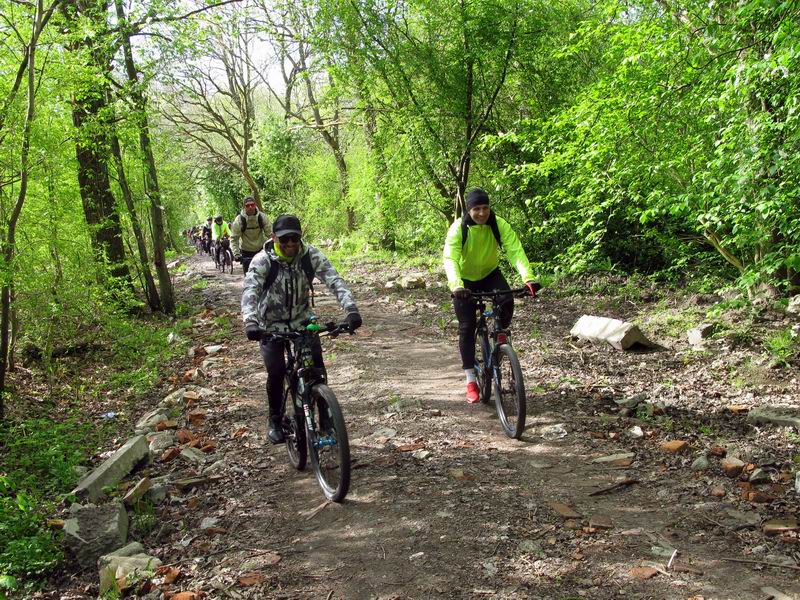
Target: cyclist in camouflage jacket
{"x": 276, "y": 299}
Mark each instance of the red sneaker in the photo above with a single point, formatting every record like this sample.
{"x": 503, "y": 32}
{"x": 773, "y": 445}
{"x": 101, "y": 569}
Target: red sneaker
{"x": 473, "y": 395}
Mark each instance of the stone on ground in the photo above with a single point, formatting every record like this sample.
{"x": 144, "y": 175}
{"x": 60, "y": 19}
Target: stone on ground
{"x": 794, "y": 305}
{"x": 675, "y": 446}
{"x": 783, "y": 417}
{"x": 161, "y": 441}
{"x": 619, "y": 334}
{"x": 412, "y": 282}
{"x": 698, "y": 335}
{"x": 113, "y": 469}
{"x": 95, "y": 531}
{"x": 138, "y": 491}
{"x": 732, "y": 466}
{"x": 130, "y": 563}
{"x": 149, "y": 421}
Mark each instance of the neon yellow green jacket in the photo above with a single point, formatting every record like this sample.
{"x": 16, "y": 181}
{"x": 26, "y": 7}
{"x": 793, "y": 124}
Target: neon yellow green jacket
{"x": 219, "y": 231}
{"x": 480, "y": 254}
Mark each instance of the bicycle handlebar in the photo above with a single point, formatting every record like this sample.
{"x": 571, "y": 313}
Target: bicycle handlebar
{"x": 331, "y": 329}
{"x": 519, "y": 292}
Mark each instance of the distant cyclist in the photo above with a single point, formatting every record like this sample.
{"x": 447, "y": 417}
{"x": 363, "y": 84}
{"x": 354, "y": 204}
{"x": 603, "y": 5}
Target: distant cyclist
{"x": 471, "y": 262}
{"x": 206, "y": 235}
{"x": 276, "y": 298}
{"x": 250, "y": 231}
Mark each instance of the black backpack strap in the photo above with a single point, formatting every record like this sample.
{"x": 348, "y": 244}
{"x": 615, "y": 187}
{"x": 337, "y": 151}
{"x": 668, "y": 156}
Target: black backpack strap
{"x": 492, "y": 222}
{"x": 308, "y": 269}
{"x": 272, "y": 275}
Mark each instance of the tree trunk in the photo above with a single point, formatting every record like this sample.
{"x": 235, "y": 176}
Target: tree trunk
{"x": 89, "y": 115}
{"x": 9, "y": 249}
{"x": 151, "y": 175}
{"x": 153, "y": 301}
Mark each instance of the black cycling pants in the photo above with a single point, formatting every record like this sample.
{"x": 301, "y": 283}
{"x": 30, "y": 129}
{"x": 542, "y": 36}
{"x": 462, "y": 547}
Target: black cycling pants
{"x": 467, "y": 315}
{"x": 247, "y": 258}
{"x": 274, "y": 354}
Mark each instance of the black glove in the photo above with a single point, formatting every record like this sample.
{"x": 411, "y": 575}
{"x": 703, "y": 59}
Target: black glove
{"x": 353, "y": 320}
{"x": 461, "y": 293}
{"x": 253, "y": 332}
{"x": 533, "y": 287}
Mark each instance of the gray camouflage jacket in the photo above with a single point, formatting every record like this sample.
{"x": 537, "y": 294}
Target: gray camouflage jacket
{"x": 251, "y": 238}
{"x": 286, "y": 303}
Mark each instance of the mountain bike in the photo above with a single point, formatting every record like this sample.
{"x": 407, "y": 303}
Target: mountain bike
{"x": 497, "y": 367}
{"x": 313, "y": 424}
{"x": 223, "y": 255}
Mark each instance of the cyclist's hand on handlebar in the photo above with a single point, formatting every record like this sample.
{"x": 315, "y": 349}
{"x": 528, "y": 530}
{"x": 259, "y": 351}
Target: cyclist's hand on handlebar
{"x": 461, "y": 293}
{"x": 253, "y": 332}
{"x": 533, "y": 287}
{"x": 353, "y": 321}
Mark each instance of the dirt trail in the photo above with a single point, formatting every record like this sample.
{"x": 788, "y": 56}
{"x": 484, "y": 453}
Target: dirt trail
{"x": 473, "y": 518}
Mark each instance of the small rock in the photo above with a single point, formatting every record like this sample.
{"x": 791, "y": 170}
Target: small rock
{"x": 491, "y": 567}
{"x": 553, "y": 432}
{"x": 615, "y": 459}
{"x": 732, "y": 466}
{"x": 209, "y": 522}
{"x": 797, "y": 483}
{"x": 193, "y": 456}
{"x": 601, "y": 521}
{"x": 173, "y": 338}
{"x": 774, "y": 594}
{"x": 717, "y": 451}
{"x": 779, "y": 526}
{"x": 212, "y": 350}
{"x": 760, "y": 476}
{"x": 794, "y": 305}
{"x": 136, "y": 492}
{"x": 698, "y": 335}
{"x": 631, "y": 402}
{"x": 675, "y": 446}
{"x": 416, "y": 556}
{"x": 161, "y": 441}
{"x": 718, "y": 491}
{"x": 636, "y": 432}
{"x": 564, "y": 510}
{"x": 700, "y": 463}
{"x": 421, "y": 454}
{"x": 643, "y": 572}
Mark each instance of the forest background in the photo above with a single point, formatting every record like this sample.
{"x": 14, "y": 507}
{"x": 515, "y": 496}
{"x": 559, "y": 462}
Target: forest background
{"x": 652, "y": 138}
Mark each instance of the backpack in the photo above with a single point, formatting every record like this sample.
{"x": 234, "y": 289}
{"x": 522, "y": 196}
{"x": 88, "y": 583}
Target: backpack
{"x": 243, "y": 222}
{"x": 305, "y": 264}
{"x": 492, "y": 222}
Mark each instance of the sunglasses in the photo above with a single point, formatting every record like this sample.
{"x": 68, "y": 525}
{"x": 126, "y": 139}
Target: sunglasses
{"x": 249, "y": 205}
{"x": 291, "y": 238}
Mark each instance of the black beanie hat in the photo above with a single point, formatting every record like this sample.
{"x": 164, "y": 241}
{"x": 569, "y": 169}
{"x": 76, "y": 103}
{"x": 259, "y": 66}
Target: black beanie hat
{"x": 477, "y": 197}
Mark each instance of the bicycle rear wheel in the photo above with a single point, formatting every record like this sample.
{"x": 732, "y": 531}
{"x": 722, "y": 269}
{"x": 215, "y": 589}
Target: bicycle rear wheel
{"x": 294, "y": 429}
{"x": 328, "y": 446}
{"x": 509, "y": 391}
{"x": 482, "y": 373}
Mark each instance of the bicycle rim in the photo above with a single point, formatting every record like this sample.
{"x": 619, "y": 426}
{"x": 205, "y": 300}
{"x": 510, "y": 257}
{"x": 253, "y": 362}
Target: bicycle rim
{"x": 509, "y": 391}
{"x": 482, "y": 374}
{"x": 294, "y": 430}
{"x": 328, "y": 446}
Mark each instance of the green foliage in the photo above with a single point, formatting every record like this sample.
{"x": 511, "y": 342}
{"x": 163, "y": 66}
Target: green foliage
{"x": 39, "y": 457}
{"x": 782, "y": 346}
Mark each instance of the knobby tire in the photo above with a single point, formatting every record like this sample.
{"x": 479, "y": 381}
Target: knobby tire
{"x": 483, "y": 375}
{"x": 509, "y": 391}
{"x": 331, "y": 464}
{"x": 294, "y": 429}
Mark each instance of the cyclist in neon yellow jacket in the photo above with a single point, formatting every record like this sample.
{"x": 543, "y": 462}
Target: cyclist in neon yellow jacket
{"x": 471, "y": 262}
{"x": 219, "y": 229}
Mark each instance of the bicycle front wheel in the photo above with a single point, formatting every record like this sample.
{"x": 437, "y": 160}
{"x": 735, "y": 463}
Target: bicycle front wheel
{"x": 294, "y": 428}
{"x": 328, "y": 446}
{"x": 509, "y": 391}
{"x": 483, "y": 375}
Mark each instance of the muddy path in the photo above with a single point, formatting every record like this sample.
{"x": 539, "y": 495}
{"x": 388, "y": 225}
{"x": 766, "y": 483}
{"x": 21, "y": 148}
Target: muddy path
{"x": 442, "y": 504}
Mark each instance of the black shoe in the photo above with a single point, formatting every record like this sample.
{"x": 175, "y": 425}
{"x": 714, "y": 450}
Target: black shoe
{"x": 275, "y": 433}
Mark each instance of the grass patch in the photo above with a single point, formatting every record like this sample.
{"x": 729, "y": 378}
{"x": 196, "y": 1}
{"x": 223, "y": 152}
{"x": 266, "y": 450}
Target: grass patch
{"x": 782, "y": 346}
{"x": 200, "y": 285}
{"x": 39, "y": 459}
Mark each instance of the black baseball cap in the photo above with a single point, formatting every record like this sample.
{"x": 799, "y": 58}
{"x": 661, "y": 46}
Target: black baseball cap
{"x": 286, "y": 224}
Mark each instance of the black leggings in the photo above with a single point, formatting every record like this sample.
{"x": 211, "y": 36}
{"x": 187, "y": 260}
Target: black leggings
{"x": 274, "y": 354}
{"x": 247, "y": 258}
{"x": 467, "y": 316}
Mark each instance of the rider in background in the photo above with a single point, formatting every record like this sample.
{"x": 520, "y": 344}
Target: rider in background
{"x": 276, "y": 295}
{"x": 471, "y": 262}
{"x": 219, "y": 229}
{"x": 249, "y": 233}
{"x": 206, "y": 235}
